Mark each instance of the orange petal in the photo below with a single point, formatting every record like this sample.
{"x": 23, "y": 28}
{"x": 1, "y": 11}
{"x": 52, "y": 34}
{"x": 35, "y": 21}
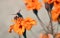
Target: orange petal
{"x": 10, "y": 29}
{"x": 55, "y": 14}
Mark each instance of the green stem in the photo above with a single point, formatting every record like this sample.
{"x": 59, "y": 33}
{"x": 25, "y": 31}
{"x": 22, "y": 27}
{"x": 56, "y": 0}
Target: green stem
{"x": 50, "y": 16}
{"x": 42, "y": 24}
{"x": 24, "y": 34}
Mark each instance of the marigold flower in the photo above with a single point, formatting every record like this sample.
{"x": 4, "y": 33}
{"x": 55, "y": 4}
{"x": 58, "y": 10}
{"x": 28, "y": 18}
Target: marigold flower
{"x": 17, "y": 27}
{"x": 32, "y": 4}
{"x": 28, "y": 23}
{"x": 57, "y": 35}
{"x": 21, "y": 24}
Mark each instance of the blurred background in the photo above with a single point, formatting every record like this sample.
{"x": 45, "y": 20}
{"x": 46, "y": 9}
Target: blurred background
{"x": 8, "y": 7}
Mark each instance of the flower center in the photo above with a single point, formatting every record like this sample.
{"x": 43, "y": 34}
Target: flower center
{"x": 20, "y": 26}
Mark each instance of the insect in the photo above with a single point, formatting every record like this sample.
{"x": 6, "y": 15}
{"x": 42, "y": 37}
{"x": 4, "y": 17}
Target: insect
{"x": 18, "y": 14}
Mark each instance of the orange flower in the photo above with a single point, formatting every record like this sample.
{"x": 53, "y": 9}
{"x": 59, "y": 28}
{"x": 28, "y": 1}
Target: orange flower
{"x": 57, "y": 35}
{"x": 55, "y": 14}
{"x": 17, "y": 27}
{"x": 45, "y": 35}
{"x": 28, "y": 23}
{"x": 21, "y": 24}
{"x": 32, "y": 4}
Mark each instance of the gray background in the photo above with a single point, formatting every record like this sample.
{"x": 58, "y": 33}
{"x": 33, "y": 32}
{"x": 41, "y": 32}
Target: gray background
{"x": 8, "y": 7}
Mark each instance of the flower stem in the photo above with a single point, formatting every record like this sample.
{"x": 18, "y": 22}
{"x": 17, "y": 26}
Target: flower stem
{"x": 24, "y": 34}
{"x": 42, "y": 24}
{"x": 50, "y": 16}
